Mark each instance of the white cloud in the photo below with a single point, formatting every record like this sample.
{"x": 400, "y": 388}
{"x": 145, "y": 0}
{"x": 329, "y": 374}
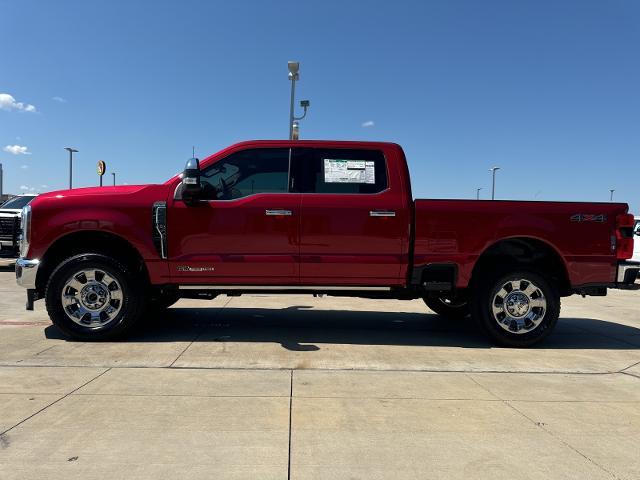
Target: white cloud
{"x": 17, "y": 150}
{"x": 368, "y": 123}
{"x": 59, "y": 99}
{"x": 7, "y": 102}
{"x": 24, "y": 167}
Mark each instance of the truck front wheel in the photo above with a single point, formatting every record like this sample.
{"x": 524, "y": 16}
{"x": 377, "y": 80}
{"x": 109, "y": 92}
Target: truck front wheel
{"x": 94, "y": 297}
{"x": 518, "y": 309}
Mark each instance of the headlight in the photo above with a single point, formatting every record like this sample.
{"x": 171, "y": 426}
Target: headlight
{"x": 25, "y": 230}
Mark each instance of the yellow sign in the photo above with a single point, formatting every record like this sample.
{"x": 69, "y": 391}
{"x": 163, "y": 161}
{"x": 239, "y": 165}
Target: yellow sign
{"x": 102, "y": 167}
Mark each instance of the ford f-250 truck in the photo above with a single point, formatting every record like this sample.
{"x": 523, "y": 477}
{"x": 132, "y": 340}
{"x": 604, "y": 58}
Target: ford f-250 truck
{"x": 323, "y": 217}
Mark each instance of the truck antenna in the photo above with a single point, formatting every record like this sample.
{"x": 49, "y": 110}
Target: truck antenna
{"x": 193, "y": 151}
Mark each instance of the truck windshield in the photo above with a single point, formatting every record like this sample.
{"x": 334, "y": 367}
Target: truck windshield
{"x": 16, "y": 203}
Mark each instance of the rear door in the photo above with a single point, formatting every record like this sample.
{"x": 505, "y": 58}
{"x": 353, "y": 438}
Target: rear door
{"x": 354, "y": 221}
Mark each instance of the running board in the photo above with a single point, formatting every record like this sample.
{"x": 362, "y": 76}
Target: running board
{"x": 318, "y": 288}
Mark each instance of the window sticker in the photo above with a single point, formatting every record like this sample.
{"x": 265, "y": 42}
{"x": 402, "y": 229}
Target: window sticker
{"x": 349, "y": 171}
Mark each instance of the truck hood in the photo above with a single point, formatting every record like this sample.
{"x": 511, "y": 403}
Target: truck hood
{"x": 120, "y": 196}
{"x": 90, "y": 191}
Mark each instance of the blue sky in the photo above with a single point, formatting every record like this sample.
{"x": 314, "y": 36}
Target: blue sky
{"x": 547, "y": 90}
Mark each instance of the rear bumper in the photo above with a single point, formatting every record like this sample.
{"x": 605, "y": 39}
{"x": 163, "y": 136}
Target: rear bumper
{"x": 26, "y": 272}
{"x": 627, "y": 274}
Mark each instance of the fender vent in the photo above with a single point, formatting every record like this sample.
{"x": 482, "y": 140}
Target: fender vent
{"x": 159, "y": 222}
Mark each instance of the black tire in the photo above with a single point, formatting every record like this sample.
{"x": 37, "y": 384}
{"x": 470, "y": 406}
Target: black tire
{"x": 446, "y": 307}
{"x": 130, "y": 306}
{"x": 488, "y": 294}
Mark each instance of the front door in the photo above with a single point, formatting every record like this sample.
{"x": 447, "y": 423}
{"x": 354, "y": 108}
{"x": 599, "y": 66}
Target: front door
{"x": 245, "y": 231}
{"x": 354, "y": 220}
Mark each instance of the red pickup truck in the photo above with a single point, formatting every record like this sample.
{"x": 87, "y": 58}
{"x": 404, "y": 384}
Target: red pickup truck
{"x": 323, "y": 217}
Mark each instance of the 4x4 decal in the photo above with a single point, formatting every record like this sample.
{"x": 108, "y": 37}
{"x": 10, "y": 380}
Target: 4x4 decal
{"x": 589, "y": 217}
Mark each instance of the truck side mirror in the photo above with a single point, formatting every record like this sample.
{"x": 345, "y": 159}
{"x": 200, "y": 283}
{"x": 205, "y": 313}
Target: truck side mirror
{"x": 191, "y": 187}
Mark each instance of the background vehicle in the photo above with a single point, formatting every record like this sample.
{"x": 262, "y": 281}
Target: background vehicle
{"x": 10, "y": 224}
{"x": 335, "y": 218}
{"x": 636, "y": 244}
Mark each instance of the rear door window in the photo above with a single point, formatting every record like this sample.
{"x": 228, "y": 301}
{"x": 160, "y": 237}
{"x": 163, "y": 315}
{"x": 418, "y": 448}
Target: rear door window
{"x": 339, "y": 171}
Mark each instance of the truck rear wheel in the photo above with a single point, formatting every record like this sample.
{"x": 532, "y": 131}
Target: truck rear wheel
{"x": 451, "y": 308}
{"x": 94, "y": 297}
{"x": 518, "y": 309}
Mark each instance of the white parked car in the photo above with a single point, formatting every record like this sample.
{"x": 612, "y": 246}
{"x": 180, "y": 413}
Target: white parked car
{"x": 636, "y": 242}
{"x": 10, "y": 224}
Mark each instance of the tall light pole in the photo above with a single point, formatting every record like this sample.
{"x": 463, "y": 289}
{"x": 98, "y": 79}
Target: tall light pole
{"x": 1, "y": 179}
{"x": 478, "y": 193}
{"x": 294, "y": 76}
{"x": 493, "y": 184}
{"x": 611, "y": 197}
{"x": 114, "y": 178}
{"x": 71, "y": 152}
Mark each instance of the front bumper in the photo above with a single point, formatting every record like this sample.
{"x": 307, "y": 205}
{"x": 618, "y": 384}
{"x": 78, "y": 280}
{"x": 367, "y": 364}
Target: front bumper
{"x": 26, "y": 272}
{"x": 627, "y": 274}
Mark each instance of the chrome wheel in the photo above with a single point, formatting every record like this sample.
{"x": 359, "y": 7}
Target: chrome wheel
{"x": 519, "y": 306}
{"x": 92, "y": 298}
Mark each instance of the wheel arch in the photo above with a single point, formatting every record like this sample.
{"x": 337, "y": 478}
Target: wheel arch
{"x": 522, "y": 252}
{"x": 89, "y": 241}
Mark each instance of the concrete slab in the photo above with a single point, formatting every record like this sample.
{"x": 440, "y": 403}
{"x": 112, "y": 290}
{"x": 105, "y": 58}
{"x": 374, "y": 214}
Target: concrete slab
{"x": 561, "y": 387}
{"x": 417, "y": 439}
{"x": 120, "y": 434}
{"x": 608, "y": 433}
{"x": 303, "y": 333}
{"x": 213, "y": 383}
{"x": 363, "y": 384}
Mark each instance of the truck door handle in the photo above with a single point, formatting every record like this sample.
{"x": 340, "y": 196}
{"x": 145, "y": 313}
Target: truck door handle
{"x": 381, "y": 213}
{"x": 277, "y": 213}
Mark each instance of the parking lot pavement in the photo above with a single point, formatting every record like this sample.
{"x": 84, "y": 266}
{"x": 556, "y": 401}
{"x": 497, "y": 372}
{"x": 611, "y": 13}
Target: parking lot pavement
{"x": 303, "y": 387}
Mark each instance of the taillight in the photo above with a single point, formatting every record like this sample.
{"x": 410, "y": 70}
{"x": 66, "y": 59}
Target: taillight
{"x": 624, "y": 236}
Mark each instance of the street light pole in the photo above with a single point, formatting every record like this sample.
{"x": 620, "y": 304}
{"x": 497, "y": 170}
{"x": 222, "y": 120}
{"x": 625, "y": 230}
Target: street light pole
{"x": 71, "y": 152}
{"x": 611, "y": 197}
{"x": 114, "y": 178}
{"x": 294, "y": 126}
{"x": 478, "y": 193}
{"x": 294, "y": 67}
{"x": 493, "y": 186}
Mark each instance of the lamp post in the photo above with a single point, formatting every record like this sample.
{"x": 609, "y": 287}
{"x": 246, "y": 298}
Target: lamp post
{"x": 114, "y": 178}
{"x": 478, "y": 193}
{"x": 611, "y": 190}
{"x": 71, "y": 152}
{"x": 493, "y": 183}
{"x": 294, "y": 126}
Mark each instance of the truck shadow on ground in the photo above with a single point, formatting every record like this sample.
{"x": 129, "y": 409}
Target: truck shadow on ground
{"x": 301, "y": 328}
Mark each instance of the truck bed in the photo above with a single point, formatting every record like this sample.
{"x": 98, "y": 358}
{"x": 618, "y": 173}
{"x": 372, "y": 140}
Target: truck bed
{"x": 459, "y": 231}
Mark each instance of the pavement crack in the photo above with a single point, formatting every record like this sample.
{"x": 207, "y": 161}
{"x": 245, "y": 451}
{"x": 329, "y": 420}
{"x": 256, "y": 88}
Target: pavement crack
{"x": 2, "y": 434}
{"x": 627, "y": 368}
